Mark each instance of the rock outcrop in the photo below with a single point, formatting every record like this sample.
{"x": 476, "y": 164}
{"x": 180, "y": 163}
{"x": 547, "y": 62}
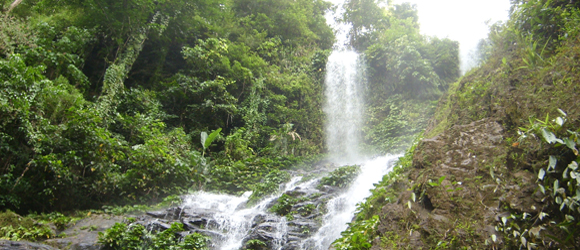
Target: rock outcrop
{"x": 458, "y": 189}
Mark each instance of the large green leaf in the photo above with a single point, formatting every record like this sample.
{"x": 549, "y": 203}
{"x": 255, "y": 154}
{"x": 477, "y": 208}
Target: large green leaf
{"x": 211, "y": 137}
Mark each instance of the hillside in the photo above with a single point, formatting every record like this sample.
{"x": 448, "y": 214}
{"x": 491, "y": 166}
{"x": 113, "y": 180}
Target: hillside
{"x": 497, "y": 167}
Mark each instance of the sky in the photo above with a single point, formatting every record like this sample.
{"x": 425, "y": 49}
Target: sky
{"x": 459, "y": 20}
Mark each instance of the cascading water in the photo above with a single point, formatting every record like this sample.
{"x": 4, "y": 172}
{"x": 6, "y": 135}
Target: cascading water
{"x": 223, "y": 214}
{"x": 341, "y": 209}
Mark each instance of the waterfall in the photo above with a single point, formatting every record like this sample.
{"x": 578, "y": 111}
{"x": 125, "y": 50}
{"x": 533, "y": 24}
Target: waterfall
{"x": 344, "y": 105}
{"x": 344, "y": 76}
{"x": 231, "y": 223}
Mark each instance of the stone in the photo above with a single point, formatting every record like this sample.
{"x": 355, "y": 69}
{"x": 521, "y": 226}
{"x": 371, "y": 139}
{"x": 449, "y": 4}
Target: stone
{"x": 83, "y": 235}
{"x": 23, "y": 245}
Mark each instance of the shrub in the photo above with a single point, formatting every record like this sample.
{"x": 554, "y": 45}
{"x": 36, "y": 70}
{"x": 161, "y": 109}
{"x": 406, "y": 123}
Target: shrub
{"x": 341, "y": 177}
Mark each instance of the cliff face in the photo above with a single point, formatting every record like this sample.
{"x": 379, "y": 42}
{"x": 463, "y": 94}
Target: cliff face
{"x": 457, "y": 190}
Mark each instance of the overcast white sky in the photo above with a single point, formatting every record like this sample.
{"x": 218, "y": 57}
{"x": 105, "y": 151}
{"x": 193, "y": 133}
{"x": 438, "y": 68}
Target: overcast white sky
{"x": 460, "y": 20}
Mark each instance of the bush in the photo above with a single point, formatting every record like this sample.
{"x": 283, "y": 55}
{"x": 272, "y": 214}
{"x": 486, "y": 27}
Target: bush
{"x": 135, "y": 236}
{"x": 559, "y": 183}
{"x": 284, "y": 205}
{"x": 15, "y": 227}
{"x": 270, "y": 184}
{"x": 341, "y": 177}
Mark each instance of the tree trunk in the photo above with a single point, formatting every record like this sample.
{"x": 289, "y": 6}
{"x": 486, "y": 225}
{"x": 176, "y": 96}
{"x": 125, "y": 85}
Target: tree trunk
{"x": 13, "y": 5}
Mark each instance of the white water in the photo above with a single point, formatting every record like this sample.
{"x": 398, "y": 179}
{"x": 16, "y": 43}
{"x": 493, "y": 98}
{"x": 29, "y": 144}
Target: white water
{"x": 343, "y": 106}
{"x": 234, "y": 222}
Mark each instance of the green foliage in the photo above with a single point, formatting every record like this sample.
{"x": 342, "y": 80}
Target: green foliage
{"x": 403, "y": 69}
{"x": 255, "y": 243}
{"x": 135, "y": 236}
{"x": 237, "y": 145}
{"x": 284, "y": 205}
{"x": 68, "y": 142}
{"x": 206, "y": 140}
{"x": 559, "y": 181}
{"x": 15, "y": 227}
{"x": 13, "y": 34}
{"x": 286, "y": 202}
{"x": 366, "y": 17}
{"x": 306, "y": 210}
{"x": 358, "y": 236}
{"x": 269, "y": 185}
{"x": 280, "y": 139}
{"x": 444, "y": 57}
{"x": 295, "y": 22}
{"x": 393, "y": 124}
{"x": 542, "y": 19}
{"x": 406, "y": 71}
{"x": 102, "y": 102}
{"x": 341, "y": 177}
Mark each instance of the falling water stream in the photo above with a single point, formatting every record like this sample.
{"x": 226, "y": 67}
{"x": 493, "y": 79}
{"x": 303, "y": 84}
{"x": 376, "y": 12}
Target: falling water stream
{"x": 231, "y": 221}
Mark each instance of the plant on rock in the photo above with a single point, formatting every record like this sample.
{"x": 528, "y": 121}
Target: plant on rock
{"x": 341, "y": 177}
{"x": 135, "y": 236}
{"x": 559, "y": 181}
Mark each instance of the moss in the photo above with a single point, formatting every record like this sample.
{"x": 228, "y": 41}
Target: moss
{"x": 16, "y": 227}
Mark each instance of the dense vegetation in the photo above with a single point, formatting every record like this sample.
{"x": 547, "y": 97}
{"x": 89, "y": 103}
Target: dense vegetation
{"x": 136, "y": 236}
{"x": 527, "y": 82}
{"x": 107, "y": 101}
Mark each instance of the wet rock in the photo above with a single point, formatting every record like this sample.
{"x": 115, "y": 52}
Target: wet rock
{"x": 158, "y": 226}
{"x": 302, "y": 228}
{"x": 158, "y": 214}
{"x": 296, "y": 192}
{"x": 170, "y": 213}
{"x": 196, "y": 222}
{"x": 291, "y": 246}
{"x": 23, "y": 245}
{"x": 258, "y": 219}
{"x": 216, "y": 236}
{"x": 258, "y": 240}
{"x": 329, "y": 189}
{"x": 84, "y": 234}
{"x": 242, "y": 205}
{"x": 267, "y": 227}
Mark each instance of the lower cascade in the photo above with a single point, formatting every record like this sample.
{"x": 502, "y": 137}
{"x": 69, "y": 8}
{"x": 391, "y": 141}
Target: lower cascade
{"x": 315, "y": 216}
